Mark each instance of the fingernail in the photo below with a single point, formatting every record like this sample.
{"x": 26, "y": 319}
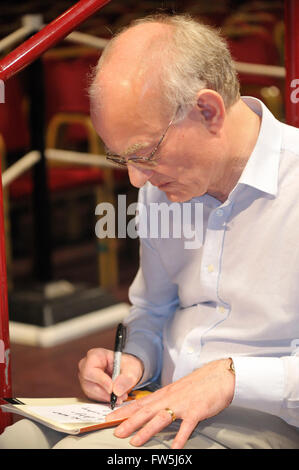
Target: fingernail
{"x": 135, "y": 441}
{"x": 175, "y": 445}
{"x": 118, "y": 392}
{"x": 119, "y": 432}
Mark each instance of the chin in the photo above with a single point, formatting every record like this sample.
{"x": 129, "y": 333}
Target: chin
{"x": 177, "y": 197}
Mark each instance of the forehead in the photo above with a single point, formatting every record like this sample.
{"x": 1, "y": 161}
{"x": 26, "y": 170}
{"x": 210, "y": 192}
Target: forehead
{"x": 126, "y": 128}
{"x": 127, "y": 114}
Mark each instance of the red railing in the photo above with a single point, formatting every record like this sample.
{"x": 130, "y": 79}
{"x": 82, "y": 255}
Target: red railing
{"x": 5, "y": 379}
{"x": 292, "y": 61}
{"x": 48, "y": 36}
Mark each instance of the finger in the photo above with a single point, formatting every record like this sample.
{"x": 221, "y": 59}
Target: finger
{"x": 134, "y": 421}
{"x": 124, "y": 383}
{"x": 94, "y": 391}
{"x": 155, "y": 425}
{"x": 185, "y": 431}
{"x": 93, "y": 369}
{"x": 131, "y": 408}
{"x": 152, "y": 399}
{"x": 122, "y": 399}
{"x": 98, "y": 377}
{"x": 129, "y": 376}
{"x": 98, "y": 358}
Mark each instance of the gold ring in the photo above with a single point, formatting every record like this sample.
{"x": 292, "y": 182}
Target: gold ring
{"x": 173, "y": 416}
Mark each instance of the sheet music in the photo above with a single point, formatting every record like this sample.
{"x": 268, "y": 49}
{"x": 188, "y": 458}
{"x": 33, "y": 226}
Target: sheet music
{"x": 76, "y": 413}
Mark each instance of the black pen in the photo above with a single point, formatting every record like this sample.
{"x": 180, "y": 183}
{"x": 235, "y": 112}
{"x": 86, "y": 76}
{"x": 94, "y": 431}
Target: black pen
{"x": 120, "y": 339}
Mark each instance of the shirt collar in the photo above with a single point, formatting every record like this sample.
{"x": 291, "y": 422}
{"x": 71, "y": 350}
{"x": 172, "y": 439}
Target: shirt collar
{"x": 261, "y": 170}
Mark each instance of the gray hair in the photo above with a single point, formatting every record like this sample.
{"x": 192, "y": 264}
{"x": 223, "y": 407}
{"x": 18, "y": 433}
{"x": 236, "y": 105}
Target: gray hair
{"x": 192, "y": 57}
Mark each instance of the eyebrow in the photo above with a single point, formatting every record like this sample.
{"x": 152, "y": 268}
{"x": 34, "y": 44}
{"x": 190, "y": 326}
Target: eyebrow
{"x": 135, "y": 147}
{"x": 132, "y": 149}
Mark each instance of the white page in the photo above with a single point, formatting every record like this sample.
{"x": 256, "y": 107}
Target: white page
{"x": 76, "y": 413}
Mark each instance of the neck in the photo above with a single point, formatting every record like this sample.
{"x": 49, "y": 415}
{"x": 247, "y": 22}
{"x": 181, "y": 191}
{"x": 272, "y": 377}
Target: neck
{"x": 242, "y": 130}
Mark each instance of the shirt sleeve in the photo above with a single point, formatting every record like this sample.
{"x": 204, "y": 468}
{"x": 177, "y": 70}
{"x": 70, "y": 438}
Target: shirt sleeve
{"x": 154, "y": 299}
{"x": 268, "y": 384}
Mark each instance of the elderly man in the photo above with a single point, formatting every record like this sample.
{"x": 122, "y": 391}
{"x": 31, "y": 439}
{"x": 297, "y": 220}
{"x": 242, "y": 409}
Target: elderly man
{"x": 216, "y": 326}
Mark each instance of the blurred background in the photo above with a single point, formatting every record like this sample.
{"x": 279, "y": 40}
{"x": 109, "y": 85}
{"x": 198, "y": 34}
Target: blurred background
{"x": 255, "y": 32}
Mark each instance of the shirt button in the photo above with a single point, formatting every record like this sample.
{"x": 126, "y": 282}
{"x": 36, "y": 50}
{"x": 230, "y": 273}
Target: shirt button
{"x": 211, "y": 268}
{"x": 222, "y": 309}
{"x": 190, "y": 350}
{"x": 219, "y": 212}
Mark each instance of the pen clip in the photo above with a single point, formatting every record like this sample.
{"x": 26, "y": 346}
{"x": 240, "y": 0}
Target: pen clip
{"x": 120, "y": 338}
{"x": 124, "y": 337}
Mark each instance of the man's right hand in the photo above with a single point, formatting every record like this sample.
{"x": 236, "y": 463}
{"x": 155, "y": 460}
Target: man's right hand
{"x": 95, "y": 372}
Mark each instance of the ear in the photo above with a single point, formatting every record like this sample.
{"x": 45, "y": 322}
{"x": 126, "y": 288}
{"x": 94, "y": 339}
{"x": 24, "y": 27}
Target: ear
{"x": 211, "y": 107}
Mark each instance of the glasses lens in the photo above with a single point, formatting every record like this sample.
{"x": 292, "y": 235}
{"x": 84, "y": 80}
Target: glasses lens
{"x": 143, "y": 162}
{"x": 116, "y": 160}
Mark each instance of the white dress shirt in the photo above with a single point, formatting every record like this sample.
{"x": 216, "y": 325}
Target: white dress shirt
{"x": 238, "y": 294}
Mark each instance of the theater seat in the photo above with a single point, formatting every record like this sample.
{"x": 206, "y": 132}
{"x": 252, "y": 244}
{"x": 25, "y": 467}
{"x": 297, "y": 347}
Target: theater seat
{"x": 13, "y": 119}
{"x": 254, "y": 44}
{"x": 69, "y": 126}
{"x": 66, "y": 73}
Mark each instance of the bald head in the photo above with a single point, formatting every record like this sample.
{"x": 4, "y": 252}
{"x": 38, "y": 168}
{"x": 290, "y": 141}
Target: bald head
{"x": 129, "y": 71}
{"x": 135, "y": 47}
{"x": 177, "y": 54}
{"x": 128, "y": 85}
{"x": 156, "y": 66}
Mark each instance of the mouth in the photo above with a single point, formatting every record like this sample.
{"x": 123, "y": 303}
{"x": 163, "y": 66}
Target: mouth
{"x": 163, "y": 186}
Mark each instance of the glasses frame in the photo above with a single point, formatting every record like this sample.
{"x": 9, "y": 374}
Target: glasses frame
{"x": 142, "y": 161}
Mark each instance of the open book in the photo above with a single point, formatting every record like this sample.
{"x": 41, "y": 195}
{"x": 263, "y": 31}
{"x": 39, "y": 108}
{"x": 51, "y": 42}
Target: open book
{"x": 68, "y": 415}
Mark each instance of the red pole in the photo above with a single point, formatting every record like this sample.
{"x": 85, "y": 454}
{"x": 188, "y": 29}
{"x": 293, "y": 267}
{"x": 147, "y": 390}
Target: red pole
{"x": 5, "y": 377}
{"x": 48, "y": 36}
{"x": 292, "y": 61}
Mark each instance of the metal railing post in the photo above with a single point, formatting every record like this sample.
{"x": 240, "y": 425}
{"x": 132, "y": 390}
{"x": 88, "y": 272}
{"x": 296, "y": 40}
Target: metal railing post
{"x": 5, "y": 375}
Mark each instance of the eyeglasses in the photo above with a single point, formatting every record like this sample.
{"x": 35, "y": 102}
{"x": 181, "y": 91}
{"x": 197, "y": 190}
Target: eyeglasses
{"x": 142, "y": 162}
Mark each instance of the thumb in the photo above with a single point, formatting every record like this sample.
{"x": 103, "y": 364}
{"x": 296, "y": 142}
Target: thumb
{"x": 123, "y": 384}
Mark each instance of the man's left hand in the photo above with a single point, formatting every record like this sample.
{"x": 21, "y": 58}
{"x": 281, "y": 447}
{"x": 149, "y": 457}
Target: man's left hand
{"x": 197, "y": 396}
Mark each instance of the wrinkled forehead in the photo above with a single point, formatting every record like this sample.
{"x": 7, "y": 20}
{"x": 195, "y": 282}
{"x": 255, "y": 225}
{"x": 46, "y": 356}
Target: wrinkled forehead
{"x": 127, "y": 107}
{"x": 131, "y": 91}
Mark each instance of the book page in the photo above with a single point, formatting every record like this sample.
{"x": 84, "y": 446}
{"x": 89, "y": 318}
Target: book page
{"x": 76, "y": 413}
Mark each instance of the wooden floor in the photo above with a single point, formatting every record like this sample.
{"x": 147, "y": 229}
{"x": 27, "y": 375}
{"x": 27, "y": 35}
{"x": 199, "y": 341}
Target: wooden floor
{"x": 52, "y": 371}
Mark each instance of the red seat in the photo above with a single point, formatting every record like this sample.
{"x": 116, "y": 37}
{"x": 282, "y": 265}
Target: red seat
{"x": 66, "y": 82}
{"x": 66, "y": 88}
{"x": 59, "y": 179}
{"x": 258, "y": 48}
{"x": 13, "y": 119}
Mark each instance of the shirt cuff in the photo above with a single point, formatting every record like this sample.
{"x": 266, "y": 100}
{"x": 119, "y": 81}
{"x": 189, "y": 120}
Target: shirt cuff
{"x": 259, "y": 383}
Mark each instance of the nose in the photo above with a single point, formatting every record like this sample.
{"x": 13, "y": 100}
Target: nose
{"x": 138, "y": 177}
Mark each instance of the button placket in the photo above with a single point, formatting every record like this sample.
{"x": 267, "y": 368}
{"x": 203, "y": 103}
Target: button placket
{"x": 209, "y": 277}
{"x": 212, "y": 250}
